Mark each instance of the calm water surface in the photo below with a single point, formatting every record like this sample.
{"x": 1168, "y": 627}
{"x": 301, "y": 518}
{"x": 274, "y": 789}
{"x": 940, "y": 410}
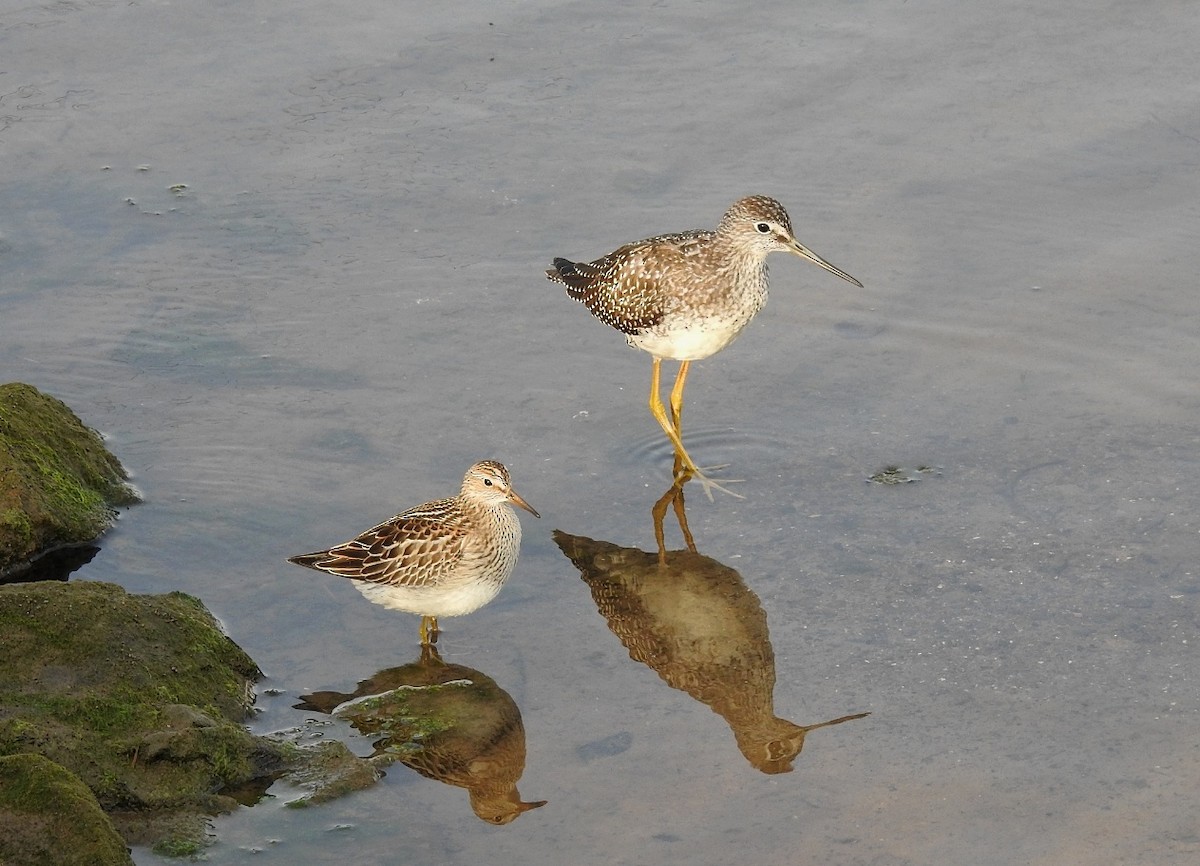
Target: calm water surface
{"x": 290, "y": 261}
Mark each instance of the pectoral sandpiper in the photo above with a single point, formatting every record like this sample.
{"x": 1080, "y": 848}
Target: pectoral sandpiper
{"x": 443, "y": 558}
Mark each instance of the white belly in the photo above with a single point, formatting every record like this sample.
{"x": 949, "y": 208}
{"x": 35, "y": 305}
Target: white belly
{"x": 444, "y": 601}
{"x": 688, "y": 344}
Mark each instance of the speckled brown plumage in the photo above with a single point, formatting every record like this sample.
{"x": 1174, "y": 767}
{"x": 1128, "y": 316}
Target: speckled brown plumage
{"x": 686, "y": 296}
{"x": 444, "y": 558}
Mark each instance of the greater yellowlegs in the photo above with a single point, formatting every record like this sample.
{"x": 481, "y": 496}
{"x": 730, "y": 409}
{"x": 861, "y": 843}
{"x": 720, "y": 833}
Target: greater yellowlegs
{"x": 686, "y": 296}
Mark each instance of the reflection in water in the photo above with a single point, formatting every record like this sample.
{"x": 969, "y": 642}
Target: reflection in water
{"x": 696, "y": 623}
{"x": 448, "y": 722}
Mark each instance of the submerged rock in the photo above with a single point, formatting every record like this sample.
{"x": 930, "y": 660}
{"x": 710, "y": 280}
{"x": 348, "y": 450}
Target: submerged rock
{"x": 59, "y": 485}
{"x": 327, "y": 771}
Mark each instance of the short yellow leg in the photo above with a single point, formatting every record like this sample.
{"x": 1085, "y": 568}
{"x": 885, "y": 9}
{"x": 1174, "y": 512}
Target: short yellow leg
{"x": 429, "y": 630}
{"x": 659, "y": 411}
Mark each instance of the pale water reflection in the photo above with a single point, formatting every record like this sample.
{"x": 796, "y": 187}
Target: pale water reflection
{"x": 448, "y": 722}
{"x": 695, "y": 623}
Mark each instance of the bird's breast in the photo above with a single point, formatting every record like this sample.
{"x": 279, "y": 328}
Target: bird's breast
{"x": 701, "y": 324}
{"x": 494, "y": 552}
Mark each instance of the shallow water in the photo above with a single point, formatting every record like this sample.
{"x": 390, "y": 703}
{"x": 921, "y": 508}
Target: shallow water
{"x": 343, "y": 307}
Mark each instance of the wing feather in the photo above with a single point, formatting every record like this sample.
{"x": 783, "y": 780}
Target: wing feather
{"x": 420, "y": 547}
{"x": 630, "y": 288}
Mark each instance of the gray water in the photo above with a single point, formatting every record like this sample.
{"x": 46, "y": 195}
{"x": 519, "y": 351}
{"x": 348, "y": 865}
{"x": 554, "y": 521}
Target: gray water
{"x": 288, "y": 258}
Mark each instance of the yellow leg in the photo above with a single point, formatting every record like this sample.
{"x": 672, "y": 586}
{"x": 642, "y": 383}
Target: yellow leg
{"x": 677, "y": 397}
{"x": 429, "y": 630}
{"x": 659, "y": 411}
{"x": 660, "y": 415}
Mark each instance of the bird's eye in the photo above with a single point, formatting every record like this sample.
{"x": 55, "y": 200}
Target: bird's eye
{"x": 488, "y": 482}
{"x": 763, "y": 228}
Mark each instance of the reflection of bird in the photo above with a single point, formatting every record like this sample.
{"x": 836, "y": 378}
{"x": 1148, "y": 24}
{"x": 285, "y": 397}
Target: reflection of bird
{"x": 448, "y": 722}
{"x": 443, "y": 558}
{"x": 697, "y": 625}
{"x": 686, "y": 296}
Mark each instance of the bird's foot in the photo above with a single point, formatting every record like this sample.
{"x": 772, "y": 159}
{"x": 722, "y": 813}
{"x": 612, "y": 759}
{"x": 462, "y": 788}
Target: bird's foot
{"x": 687, "y": 473}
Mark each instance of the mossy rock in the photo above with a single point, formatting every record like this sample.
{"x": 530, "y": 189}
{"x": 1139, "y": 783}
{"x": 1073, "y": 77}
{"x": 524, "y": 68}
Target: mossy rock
{"x": 49, "y": 816}
{"x": 142, "y": 697}
{"x": 59, "y": 484}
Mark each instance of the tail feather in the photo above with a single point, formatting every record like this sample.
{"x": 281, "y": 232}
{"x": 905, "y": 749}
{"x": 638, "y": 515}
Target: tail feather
{"x": 578, "y": 277}
{"x": 310, "y": 560}
{"x": 562, "y": 270}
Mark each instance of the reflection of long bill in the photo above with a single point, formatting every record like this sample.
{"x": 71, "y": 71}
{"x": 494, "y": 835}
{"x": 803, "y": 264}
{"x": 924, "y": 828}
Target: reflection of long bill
{"x": 694, "y": 622}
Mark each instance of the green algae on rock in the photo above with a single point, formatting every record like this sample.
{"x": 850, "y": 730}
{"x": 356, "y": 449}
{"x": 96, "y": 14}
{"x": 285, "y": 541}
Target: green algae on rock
{"x": 49, "y": 816}
{"x": 143, "y": 698}
{"x": 140, "y": 696}
{"x": 59, "y": 484}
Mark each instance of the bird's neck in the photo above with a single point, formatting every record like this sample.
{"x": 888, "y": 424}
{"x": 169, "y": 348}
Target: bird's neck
{"x": 744, "y": 274}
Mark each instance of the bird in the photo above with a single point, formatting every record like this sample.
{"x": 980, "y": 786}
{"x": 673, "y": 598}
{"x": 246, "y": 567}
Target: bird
{"x": 686, "y": 296}
{"x": 443, "y": 558}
